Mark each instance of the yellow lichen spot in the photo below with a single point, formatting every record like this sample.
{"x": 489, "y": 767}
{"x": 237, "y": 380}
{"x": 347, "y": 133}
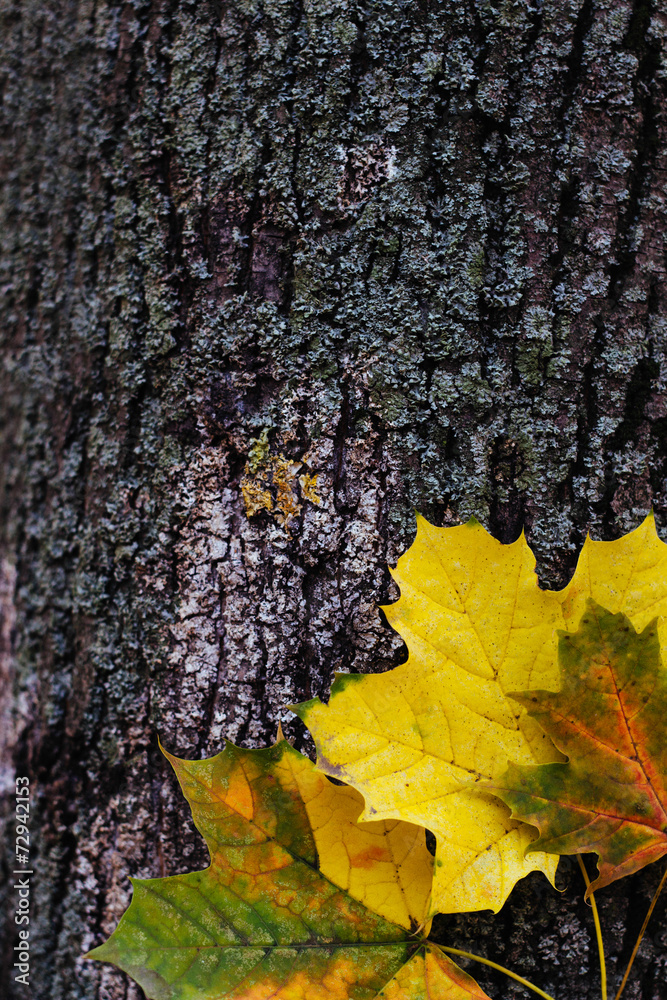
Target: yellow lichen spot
{"x": 258, "y": 454}
{"x": 268, "y": 483}
{"x": 309, "y": 487}
{"x": 255, "y": 495}
{"x": 284, "y": 474}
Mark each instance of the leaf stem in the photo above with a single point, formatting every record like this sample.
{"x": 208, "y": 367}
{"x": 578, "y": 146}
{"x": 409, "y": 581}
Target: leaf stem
{"x": 498, "y": 968}
{"x": 641, "y": 933}
{"x": 598, "y": 929}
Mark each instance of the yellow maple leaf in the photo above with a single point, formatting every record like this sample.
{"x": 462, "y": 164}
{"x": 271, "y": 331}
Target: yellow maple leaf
{"x": 416, "y": 740}
{"x": 628, "y": 575}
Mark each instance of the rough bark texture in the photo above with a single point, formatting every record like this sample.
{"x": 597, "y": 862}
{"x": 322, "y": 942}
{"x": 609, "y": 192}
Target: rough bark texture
{"x": 417, "y": 246}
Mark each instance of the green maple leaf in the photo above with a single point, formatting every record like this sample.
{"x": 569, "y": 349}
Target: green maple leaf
{"x": 609, "y": 718}
{"x": 300, "y": 901}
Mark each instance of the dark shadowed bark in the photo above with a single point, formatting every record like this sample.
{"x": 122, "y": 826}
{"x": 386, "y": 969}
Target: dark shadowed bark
{"x": 414, "y": 247}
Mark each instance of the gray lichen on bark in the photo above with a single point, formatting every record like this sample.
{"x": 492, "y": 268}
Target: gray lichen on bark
{"x": 420, "y": 242}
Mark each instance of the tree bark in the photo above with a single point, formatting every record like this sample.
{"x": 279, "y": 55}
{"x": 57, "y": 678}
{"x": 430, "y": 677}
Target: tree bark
{"x": 412, "y": 247}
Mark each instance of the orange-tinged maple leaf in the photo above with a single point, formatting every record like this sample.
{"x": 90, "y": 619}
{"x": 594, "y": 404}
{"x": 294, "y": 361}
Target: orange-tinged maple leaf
{"x": 286, "y": 911}
{"x": 609, "y": 718}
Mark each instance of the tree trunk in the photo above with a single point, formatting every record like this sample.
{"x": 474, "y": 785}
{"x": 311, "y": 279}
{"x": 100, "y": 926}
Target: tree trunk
{"x": 414, "y": 248}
